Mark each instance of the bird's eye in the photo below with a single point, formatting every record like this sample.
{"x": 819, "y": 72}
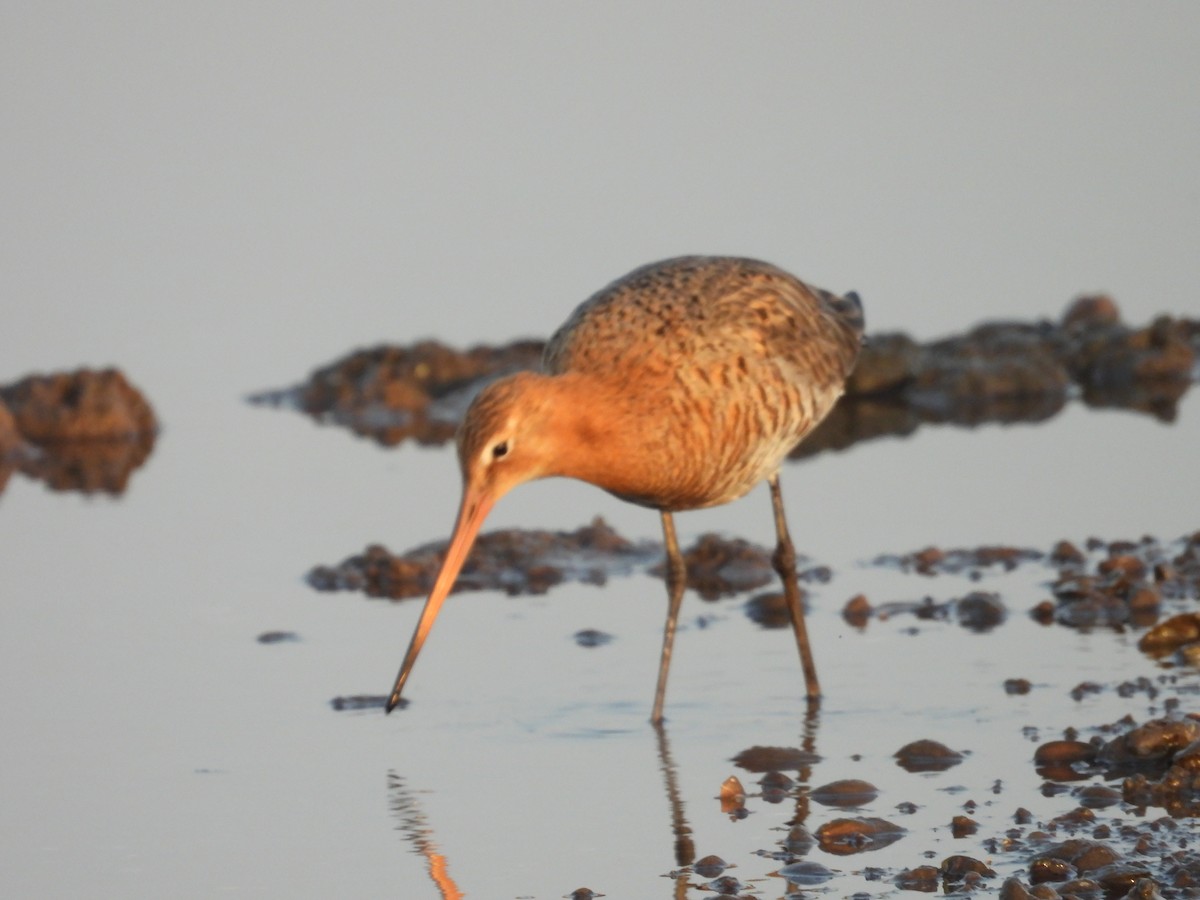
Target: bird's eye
{"x": 500, "y": 450}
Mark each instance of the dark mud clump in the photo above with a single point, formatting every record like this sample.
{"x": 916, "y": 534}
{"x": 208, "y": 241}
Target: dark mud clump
{"x": 997, "y": 372}
{"x": 978, "y": 611}
{"x": 843, "y": 837}
{"x": 76, "y": 431}
{"x": 393, "y": 394}
{"x": 531, "y": 562}
{"x": 970, "y": 561}
{"x": 514, "y": 561}
{"x": 775, "y": 759}
{"x": 718, "y": 567}
{"x": 1013, "y": 372}
{"x": 927, "y": 756}
{"x": 845, "y": 793}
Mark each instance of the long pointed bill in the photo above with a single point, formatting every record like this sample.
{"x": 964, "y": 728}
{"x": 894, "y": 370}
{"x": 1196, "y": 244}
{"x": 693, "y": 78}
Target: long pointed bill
{"x": 474, "y": 509}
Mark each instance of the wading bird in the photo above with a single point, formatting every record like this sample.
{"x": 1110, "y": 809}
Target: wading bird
{"x": 680, "y": 386}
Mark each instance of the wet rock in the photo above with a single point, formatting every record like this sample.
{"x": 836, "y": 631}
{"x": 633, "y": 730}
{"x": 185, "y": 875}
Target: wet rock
{"x": 1017, "y": 686}
{"x": 963, "y": 826}
{"x": 1152, "y": 745}
{"x": 1073, "y": 820}
{"x": 777, "y": 781}
{"x": 1043, "y": 612}
{"x": 775, "y": 787}
{"x": 842, "y": 837}
{"x": 956, "y": 869}
{"x": 1080, "y": 855}
{"x": 923, "y": 878}
{"x": 768, "y": 759}
{"x": 583, "y": 893}
{"x": 1013, "y": 889}
{"x": 1171, "y": 634}
{"x": 1120, "y": 878}
{"x": 515, "y": 561}
{"x": 857, "y": 611}
{"x": 1050, "y": 869}
{"x": 927, "y": 756}
{"x": 1067, "y": 554}
{"x": 1064, "y": 752}
{"x": 1124, "y": 565}
{"x": 732, "y": 790}
{"x": 1097, "y": 796}
{"x": 980, "y": 611}
{"x": 1177, "y": 791}
{"x": 847, "y": 792}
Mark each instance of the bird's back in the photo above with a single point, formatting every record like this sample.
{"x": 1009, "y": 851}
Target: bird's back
{"x": 705, "y": 308}
{"x": 725, "y": 364}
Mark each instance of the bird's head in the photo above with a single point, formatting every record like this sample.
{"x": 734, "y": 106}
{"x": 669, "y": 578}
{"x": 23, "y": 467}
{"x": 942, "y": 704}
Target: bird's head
{"x": 505, "y": 440}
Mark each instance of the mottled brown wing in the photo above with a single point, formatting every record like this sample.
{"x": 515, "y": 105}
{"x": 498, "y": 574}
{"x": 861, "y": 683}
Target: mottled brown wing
{"x": 698, "y": 307}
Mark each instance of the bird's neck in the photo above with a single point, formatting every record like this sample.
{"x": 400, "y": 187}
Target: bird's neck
{"x": 596, "y": 439}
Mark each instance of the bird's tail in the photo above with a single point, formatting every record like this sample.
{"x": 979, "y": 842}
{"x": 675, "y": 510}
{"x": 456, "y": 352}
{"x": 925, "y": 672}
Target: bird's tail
{"x": 849, "y": 311}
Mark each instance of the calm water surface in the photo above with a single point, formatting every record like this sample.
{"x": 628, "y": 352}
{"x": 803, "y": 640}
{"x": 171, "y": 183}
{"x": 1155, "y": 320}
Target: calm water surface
{"x": 160, "y": 745}
{"x": 220, "y": 197}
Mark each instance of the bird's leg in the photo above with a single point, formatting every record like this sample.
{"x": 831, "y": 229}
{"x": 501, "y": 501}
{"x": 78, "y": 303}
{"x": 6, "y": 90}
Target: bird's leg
{"x": 676, "y": 582}
{"x": 784, "y": 561}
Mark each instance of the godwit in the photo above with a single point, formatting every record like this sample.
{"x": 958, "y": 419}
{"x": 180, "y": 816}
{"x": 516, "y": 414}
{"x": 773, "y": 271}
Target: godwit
{"x": 680, "y": 386}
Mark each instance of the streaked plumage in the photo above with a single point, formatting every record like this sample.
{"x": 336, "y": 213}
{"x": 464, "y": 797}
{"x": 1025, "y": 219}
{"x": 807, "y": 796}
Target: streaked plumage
{"x": 680, "y": 386}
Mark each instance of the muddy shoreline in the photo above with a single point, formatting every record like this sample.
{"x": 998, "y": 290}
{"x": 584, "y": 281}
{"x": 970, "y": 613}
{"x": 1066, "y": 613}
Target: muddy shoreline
{"x": 997, "y": 372}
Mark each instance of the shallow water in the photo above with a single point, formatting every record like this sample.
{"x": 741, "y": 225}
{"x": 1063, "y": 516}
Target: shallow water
{"x": 220, "y": 198}
{"x": 161, "y": 744}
